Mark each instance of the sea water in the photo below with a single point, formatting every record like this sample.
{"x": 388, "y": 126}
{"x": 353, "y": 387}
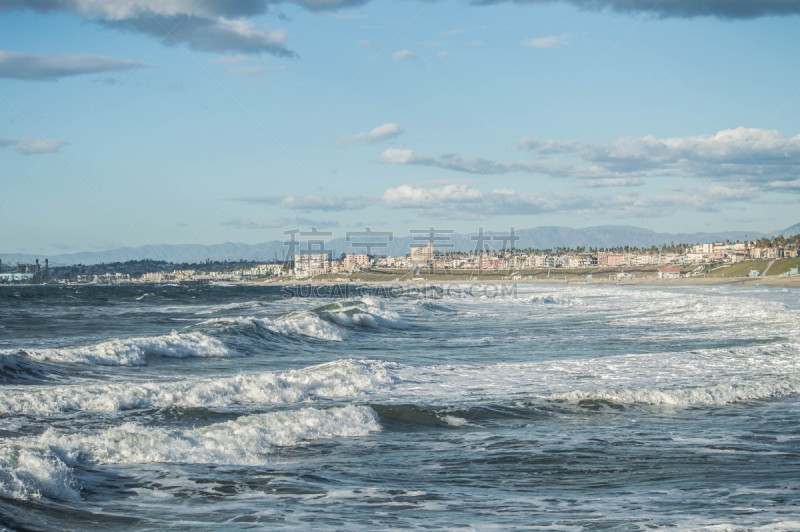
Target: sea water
{"x": 564, "y": 407}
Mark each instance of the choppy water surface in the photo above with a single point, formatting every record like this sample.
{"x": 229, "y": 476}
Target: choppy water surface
{"x": 568, "y": 407}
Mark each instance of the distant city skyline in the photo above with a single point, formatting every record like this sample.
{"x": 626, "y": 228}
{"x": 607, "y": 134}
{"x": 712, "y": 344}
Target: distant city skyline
{"x": 180, "y": 122}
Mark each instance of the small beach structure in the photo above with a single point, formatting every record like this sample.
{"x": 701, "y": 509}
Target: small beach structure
{"x": 669, "y": 273}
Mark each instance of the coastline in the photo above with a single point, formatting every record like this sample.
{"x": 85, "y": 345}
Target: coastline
{"x": 774, "y": 281}
{"x": 770, "y": 281}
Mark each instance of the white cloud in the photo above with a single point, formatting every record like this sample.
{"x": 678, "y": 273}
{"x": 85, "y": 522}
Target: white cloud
{"x": 404, "y": 54}
{"x": 449, "y": 33}
{"x": 202, "y": 25}
{"x": 461, "y": 201}
{"x": 409, "y": 196}
{"x": 325, "y": 203}
{"x": 549, "y": 41}
{"x": 473, "y": 166}
{"x": 397, "y": 156}
{"x": 742, "y": 155}
{"x": 444, "y": 54}
{"x": 33, "y": 146}
{"x": 382, "y": 132}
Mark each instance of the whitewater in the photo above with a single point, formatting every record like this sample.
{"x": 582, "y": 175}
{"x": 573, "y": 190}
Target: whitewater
{"x": 509, "y": 406}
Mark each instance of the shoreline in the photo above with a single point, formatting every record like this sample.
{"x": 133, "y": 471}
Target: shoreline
{"x": 771, "y": 281}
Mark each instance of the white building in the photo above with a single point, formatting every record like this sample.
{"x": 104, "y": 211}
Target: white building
{"x": 421, "y": 255}
{"x": 356, "y": 262}
{"x": 310, "y": 264}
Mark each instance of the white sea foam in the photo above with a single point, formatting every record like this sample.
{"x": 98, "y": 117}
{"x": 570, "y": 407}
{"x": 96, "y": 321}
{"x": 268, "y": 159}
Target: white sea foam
{"x": 34, "y": 467}
{"x": 703, "y": 377}
{"x": 718, "y": 394}
{"x": 29, "y": 473}
{"x": 558, "y": 300}
{"x": 134, "y": 351}
{"x": 304, "y": 325}
{"x": 778, "y": 526}
{"x": 339, "y": 379}
{"x": 247, "y": 440}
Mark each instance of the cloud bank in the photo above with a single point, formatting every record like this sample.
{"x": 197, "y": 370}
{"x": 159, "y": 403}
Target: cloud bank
{"x": 466, "y": 202}
{"x": 767, "y": 159}
{"x": 728, "y": 9}
{"x": 204, "y": 25}
{"x": 226, "y": 26}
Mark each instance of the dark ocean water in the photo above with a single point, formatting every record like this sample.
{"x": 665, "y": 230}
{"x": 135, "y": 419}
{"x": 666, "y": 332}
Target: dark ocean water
{"x": 530, "y": 406}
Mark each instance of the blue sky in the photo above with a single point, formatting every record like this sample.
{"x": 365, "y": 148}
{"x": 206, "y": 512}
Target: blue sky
{"x": 252, "y": 118}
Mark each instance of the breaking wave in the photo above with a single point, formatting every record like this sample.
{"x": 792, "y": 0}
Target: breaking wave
{"x": 339, "y": 379}
{"x": 30, "y": 473}
{"x": 333, "y": 322}
{"x": 135, "y": 351}
{"x": 246, "y": 440}
{"x": 16, "y": 368}
{"x": 41, "y": 466}
{"x": 719, "y": 394}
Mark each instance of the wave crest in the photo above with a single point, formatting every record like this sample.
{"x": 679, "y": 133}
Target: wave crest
{"x": 333, "y": 322}
{"x": 135, "y": 351}
{"x": 333, "y": 380}
{"x": 719, "y": 394}
{"x": 16, "y": 368}
{"x": 243, "y": 441}
{"x": 27, "y": 474}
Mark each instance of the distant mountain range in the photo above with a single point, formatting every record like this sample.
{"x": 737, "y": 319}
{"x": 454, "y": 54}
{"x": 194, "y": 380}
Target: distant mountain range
{"x": 789, "y": 231}
{"x": 544, "y": 237}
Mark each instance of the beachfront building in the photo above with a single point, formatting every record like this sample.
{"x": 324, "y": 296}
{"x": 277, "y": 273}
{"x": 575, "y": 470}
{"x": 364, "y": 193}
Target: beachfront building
{"x": 669, "y": 273}
{"x": 356, "y": 262}
{"x": 421, "y": 255}
{"x": 611, "y": 259}
{"x": 544, "y": 261}
{"x": 264, "y": 270}
{"x": 309, "y": 265}
{"x": 580, "y": 260}
{"x": 393, "y": 262}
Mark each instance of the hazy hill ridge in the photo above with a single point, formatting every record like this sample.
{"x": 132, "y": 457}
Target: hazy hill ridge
{"x": 544, "y": 237}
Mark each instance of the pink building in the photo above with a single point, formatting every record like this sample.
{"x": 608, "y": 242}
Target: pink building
{"x": 610, "y": 259}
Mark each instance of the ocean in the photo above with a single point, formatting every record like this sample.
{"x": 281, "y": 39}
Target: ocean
{"x": 529, "y": 406}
